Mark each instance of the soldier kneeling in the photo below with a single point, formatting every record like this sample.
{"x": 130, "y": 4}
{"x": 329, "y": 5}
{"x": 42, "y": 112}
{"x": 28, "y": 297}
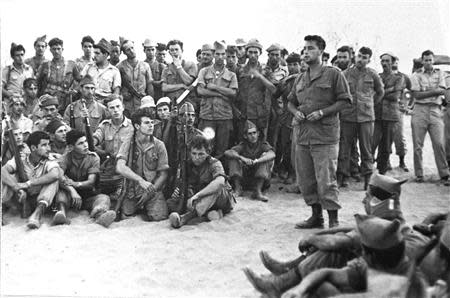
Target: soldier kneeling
{"x": 77, "y": 186}
{"x": 206, "y": 180}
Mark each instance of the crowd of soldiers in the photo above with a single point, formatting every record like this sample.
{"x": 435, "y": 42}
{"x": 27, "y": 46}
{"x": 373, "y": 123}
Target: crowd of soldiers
{"x": 180, "y": 140}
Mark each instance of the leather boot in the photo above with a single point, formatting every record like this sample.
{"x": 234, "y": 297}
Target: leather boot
{"x": 315, "y": 221}
{"x": 342, "y": 180}
{"x": 366, "y": 181}
{"x": 333, "y": 218}
{"x": 277, "y": 267}
{"x": 177, "y": 221}
{"x": 34, "y": 221}
{"x": 402, "y": 164}
{"x": 273, "y": 285}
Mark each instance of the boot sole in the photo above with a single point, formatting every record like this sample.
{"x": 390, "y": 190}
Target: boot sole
{"x": 59, "y": 218}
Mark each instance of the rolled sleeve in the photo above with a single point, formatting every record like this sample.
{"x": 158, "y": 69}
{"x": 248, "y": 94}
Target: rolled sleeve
{"x": 342, "y": 90}
{"x": 234, "y": 82}
{"x": 123, "y": 151}
{"x": 238, "y": 148}
{"x": 163, "y": 161}
{"x": 201, "y": 77}
{"x": 217, "y": 169}
{"x": 415, "y": 84}
{"x": 442, "y": 82}
{"x": 117, "y": 80}
{"x": 94, "y": 167}
{"x": 99, "y": 134}
{"x": 5, "y": 75}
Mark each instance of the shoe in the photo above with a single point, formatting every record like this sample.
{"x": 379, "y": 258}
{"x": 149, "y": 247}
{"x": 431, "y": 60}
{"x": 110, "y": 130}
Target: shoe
{"x": 277, "y": 267}
{"x": 259, "y": 197}
{"x": 419, "y": 179}
{"x": 273, "y": 286}
{"x": 445, "y": 180}
{"x": 342, "y": 181}
{"x": 356, "y": 177}
{"x": 402, "y": 164}
{"x": 215, "y": 215}
{"x": 313, "y": 222}
{"x": 175, "y": 220}
{"x": 107, "y": 218}
{"x": 59, "y": 218}
{"x": 333, "y": 220}
{"x": 366, "y": 181}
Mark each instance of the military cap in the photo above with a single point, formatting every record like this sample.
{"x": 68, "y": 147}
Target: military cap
{"x": 161, "y": 47}
{"x": 17, "y": 99}
{"x": 186, "y": 108}
{"x": 219, "y": 45}
{"x": 114, "y": 43}
{"x": 293, "y": 57}
{"x": 149, "y": 43}
{"x": 41, "y": 39}
{"x": 378, "y": 233}
{"x": 104, "y": 45}
{"x": 87, "y": 80}
{"x": 389, "y": 54}
{"x": 387, "y": 209}
{"x": 162, "y": 101}
{"x": 445, "y": 234}
{"x": 147, "y": 102}
{"x": 48, "y": 100}
{"x": 386, "y": 183}
{"x": 249, "y": 125}
{"x": 274, "y": 47}
{"x": 240, "y": 42}
{"x": 254, "y": 43}
{"x": 207, "y": 47}
{"x": 53, "y": 126}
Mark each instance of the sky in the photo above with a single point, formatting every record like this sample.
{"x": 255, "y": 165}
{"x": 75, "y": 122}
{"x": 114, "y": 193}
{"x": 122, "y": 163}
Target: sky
{"x": 405, "y": 28}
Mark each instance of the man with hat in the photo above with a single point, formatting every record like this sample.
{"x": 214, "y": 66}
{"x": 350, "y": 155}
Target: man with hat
{"x": 253, "y": 85}
{"x": 114, "y": 55}
{"x": 106, "y": 76}
{"x": 87, "y": 45}
{"x": 148, "y": 105}
{"x": 429, "y": 87}
{"x": 315, "y": 101}
{"x": 42, "y": 172}
{"x": 86, "y": 107}
{"x": 250, "y": 163}
{"x": 207, "y": 53}
{"x": 217, "y": 87}
{"x": 136, "y": 78}
{"x": 275, "y": 72}
{"x": 209, "y": 194}
{"x": 49, "y": 107}
{"x": 18, "y": 134}
{"x": 143, "y": 162}
{"x": 150, "y": 51}
{"x": 357, "y": 120}
{"x": 157, "y": 68}
{"x": 58, "y": 77}
{"x": 241, "y": 51}
{"x": 17, "y": 117}
{"x": 179, "y": 74}
{"x": 387, "y": 112}
{"x": 15, "y": 74}
{"x": 57, "y": 130}
{"x": 40, "y": 45}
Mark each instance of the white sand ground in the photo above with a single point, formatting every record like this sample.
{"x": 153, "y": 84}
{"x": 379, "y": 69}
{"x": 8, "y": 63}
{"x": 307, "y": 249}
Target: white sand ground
{"x": 136, "y": 259}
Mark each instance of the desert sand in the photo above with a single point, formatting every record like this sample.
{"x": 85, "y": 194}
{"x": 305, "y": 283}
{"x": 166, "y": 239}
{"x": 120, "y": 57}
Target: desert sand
{"x": 134, "y": 258}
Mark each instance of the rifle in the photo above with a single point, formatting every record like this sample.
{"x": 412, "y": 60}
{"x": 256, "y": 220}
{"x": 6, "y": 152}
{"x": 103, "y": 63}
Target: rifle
{"x": 182, "y": 173}
{"x": 72, "y": 116}
{"x": 186, "y": 92}
{"x": 126, "y": 82}
{"x": 21, "y": 175}
{"x": 89, "y": 137}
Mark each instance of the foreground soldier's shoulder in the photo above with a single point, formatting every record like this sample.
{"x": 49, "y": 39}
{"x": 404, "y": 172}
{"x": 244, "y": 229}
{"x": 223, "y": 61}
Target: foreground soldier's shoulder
{"x": 105, "y": 122}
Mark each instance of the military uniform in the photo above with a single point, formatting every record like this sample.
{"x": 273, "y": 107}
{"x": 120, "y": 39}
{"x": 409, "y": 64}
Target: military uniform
{"x": 97, "y": 112}
{"x": 57, "y": 78}
{"x": 41, "y": 124}
{"x": 216, "y": 111}
{"x": 148, "y": 161}
{"x": 13, "y": 78}
{"x": 387, "y": 113}
{"x": 357, "y": 120}
{"x": 170, "y": 76}
{"x": 428, "y": 117}
{"x": 317, "y": 141}
{"x": 157, "y": 71}
{"x": 399, "y": 136}
{"x": 106, "y": 79}
{"x": 35, "y": 62}
{"x": 140, "y": 76}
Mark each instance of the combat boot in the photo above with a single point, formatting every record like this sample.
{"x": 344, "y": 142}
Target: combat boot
{"x": 176, "y": 220}
{"x": 366, "y": 181}
{"x": 277, "y": 267}
{"x": 333, "y": 218}
{"x": 273, "y": 285}
{"x": 315, "y": 221}
{"x": 402, "y": 164}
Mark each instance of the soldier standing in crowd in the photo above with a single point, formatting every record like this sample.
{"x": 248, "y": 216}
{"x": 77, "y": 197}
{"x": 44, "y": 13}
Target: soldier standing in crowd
{"x": 87, "y": 45}
{"x": 253, "y": 85}
{"x": 387, "y": 113}
{"x": 42, "y": 172}
{"x": 150, "y": 52}
{"x": 77, "y": 185}
{"x": 86, "y": 107}
{"x": 207, "y": 56}
{"x": 57, "y": 130}
{"x": 241, "y": 51}
{"x": 399, "y": 135}
{"x": 17, "y": 117}
{"x": 157, "y": 69}
{"x": 143, "y": 162}
{"x": 357, "y": 120}
{"x": 428, "y": 85}
{"x": 30, "y": 96}
{"x": 114, "y": 57}
{"x": 320, "y": 93}
{"x": 217, "y": 87}
{"x": 40, "y": 46}
{"x": 49, "y": 107}
{"x": 179, "y": 74}
{"x": 57, "y": 77}
{"x": 15, "y": 74}
{"x": 232, "y": 59}
{"x": 250, "y": 163}
{"x": 136, "y": 78}
{"x": 106, "y": 76}
{"x": 210, "y": 193}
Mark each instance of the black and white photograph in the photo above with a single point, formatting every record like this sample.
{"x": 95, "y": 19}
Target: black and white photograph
{"x": 276, "y": 149}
